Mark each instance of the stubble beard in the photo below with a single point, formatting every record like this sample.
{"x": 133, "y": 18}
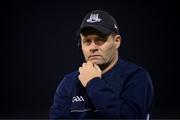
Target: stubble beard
{"x": 104, "y": 66}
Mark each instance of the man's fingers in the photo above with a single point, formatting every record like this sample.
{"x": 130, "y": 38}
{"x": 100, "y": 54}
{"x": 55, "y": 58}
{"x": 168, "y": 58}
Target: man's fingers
{"x": 89, "y": 63}
{"x": 83, "y": 64}
{"x": 80, "y": 69}
{"x": 97, "y": 67}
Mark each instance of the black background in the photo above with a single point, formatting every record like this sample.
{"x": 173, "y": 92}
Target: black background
{"x": 39, "y": 47}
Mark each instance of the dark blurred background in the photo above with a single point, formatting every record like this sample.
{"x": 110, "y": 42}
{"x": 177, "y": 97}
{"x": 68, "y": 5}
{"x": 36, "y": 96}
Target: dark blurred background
{"x": 39, "y": 46}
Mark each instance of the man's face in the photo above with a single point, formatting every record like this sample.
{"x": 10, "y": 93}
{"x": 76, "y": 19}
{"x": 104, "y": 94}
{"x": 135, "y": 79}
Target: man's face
{"x": 100, "y": 50}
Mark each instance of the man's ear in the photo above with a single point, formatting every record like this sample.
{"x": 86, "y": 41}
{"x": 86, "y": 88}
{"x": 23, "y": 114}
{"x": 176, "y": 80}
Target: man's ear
{"x": 117, "y": 40}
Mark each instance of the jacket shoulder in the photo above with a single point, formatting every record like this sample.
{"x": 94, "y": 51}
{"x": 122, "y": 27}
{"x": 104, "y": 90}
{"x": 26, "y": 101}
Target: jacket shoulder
{"x": 129, "y": 67}
{"x": 73, "y": 74}
{"x": 67, "y": 83}
{"x": 70, "y": 78}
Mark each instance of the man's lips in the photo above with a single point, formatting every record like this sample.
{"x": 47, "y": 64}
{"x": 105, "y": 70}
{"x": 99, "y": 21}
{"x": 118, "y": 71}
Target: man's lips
{"x": 93, "y": 56}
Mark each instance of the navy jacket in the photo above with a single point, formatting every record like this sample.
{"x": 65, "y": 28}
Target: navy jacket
{"x": 125, "y": 91}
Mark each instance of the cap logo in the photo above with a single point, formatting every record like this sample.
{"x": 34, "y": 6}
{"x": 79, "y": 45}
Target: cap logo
{"x": 115, "y": 26}
{"x": 94, "y": 18}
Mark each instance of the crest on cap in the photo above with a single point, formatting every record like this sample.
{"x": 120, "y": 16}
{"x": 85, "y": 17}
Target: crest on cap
{"x": 93, "y": 18}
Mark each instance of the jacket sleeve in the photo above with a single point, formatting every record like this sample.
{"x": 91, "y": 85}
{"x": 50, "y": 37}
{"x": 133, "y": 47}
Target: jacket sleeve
{"x": 61, "y": 106}
{"x": 133, "y": 102}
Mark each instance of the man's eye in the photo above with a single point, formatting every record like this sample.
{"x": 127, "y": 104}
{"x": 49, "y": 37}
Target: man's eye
{"x": 86, "y": 41}
{"x": 100, "y": 41}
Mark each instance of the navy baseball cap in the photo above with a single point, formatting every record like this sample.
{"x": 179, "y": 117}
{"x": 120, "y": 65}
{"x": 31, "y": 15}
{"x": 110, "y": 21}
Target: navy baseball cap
{"x": 101, "y": 21}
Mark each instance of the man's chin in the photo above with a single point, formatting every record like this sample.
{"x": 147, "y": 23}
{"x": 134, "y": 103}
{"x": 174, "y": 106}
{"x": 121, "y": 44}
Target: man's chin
{"x": 97, "y": 62}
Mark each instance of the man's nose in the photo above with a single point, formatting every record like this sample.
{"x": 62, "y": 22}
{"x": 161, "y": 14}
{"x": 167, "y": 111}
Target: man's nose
{"x": 93, "y": 46}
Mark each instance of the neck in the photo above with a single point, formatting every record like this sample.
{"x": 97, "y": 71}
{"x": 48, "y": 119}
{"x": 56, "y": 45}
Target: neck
{"x": 106, "y": 67}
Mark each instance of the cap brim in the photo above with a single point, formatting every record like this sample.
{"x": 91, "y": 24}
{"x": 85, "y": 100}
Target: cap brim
{"x": 99, "y": 28}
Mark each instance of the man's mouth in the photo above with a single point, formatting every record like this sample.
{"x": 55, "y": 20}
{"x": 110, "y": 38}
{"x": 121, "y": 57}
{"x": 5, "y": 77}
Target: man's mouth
{"x": 91, "y": 57}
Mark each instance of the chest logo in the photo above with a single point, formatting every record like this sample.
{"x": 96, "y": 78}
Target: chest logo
{"x": 77, "y": 99}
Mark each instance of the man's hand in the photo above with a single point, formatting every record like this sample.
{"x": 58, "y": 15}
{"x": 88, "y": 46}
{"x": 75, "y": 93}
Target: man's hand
{"x": 88, "y": 71}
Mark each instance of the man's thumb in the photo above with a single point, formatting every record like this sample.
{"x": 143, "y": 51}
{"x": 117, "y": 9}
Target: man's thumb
{"x": 97, "y": 67}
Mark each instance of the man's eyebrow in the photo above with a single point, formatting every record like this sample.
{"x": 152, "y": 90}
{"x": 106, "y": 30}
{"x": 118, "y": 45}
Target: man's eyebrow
{"x": 85, "y": 38}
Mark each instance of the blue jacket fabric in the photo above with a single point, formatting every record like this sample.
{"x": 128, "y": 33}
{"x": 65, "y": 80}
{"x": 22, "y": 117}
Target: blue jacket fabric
{"x": 125, "y": 91}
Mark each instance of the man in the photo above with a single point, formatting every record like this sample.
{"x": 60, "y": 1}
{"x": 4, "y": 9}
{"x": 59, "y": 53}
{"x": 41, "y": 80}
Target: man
{"x": 105, "y": 86}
